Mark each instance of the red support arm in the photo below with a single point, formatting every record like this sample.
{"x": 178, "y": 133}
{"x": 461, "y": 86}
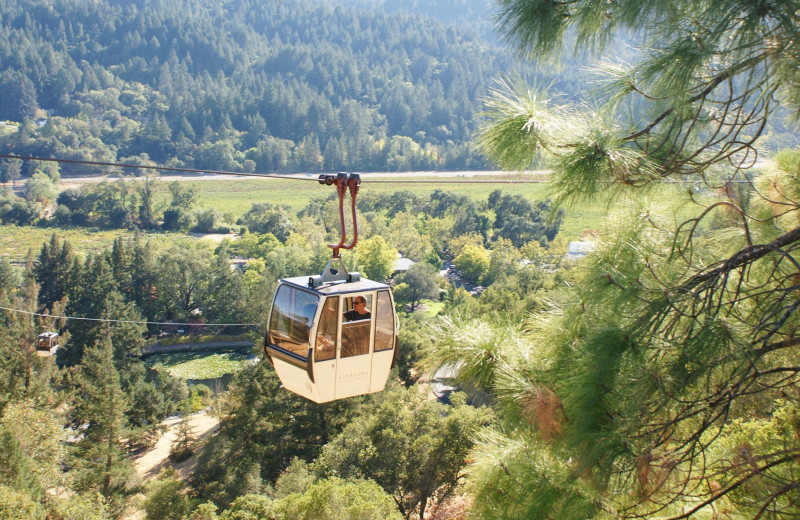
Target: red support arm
{"x": 344, "y": 182}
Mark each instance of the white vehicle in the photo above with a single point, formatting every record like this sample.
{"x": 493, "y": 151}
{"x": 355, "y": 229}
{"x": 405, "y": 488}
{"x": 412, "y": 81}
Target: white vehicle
{"x": 335, "y": 335}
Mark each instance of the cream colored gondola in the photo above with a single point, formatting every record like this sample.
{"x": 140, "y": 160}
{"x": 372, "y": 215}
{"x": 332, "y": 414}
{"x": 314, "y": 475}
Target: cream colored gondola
{"x": 47, "y": 344}
{"x": 335, "y": 335}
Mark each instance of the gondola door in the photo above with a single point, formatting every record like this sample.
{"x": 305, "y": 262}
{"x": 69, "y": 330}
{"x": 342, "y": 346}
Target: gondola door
{"x": 354, "y": 364}
{"x": 385, "y": 333}
{"x": 326, "y": 345}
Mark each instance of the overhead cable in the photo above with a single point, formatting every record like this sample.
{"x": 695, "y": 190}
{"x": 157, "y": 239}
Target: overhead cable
{"x": 150, "y": 167}
{"x": 397, "y": 179}
{"x": 108, "y": 320}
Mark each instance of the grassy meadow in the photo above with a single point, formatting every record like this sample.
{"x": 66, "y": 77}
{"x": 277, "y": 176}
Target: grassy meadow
{"x": 16, "y": 241}
{"x": 199, "y": 365}
{"x": 235, "y": 196}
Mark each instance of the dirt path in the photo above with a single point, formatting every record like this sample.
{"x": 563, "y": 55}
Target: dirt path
{"x": 152, "y": 461}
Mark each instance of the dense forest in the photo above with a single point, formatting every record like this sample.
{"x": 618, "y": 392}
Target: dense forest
{"x": 242, "y": 85}
{"x": 259, "y": 86}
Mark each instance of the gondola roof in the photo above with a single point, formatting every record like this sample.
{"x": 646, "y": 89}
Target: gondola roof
{"x": 363, "y": 284}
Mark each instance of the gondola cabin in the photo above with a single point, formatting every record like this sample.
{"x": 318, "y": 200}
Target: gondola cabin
{"x": 47, "y": 344}
{"x": 332, "y": 340}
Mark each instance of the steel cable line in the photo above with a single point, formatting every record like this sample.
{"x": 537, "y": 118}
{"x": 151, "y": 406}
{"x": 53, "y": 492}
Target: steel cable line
{"x": 151, "y": 167}
{"x": 365, "y": 179}
{"x": 109, "y": 320}
{"x": 397, "y": 178}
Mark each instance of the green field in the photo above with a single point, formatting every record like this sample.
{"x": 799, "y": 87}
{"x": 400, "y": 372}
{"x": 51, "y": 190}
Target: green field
{"x": 236, "y": 197}
{"x": 199, "y": 365}
{"x": 15, "y": 241}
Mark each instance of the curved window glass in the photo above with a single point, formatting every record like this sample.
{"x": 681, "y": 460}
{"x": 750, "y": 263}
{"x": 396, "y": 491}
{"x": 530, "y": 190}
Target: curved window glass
{"x": 326, "y": 330}
{"x": 384, "y": 322}
{"x": 291, "y": 320}
{"x": 357, "y": 320}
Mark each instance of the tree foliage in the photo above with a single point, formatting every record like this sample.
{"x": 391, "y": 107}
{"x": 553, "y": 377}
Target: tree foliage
{"x": 100, "y": 408}
{"x": 376, "y": 258}
{"x": 418, "y": 283}
{"x": 413, "y": 447}
{"x": 473, "y": 262}
{"x": 165, "y": 501}
{"x": 679, "y": 352}
{"x": 262, "y": 430}
{"x": 334, "y": 499}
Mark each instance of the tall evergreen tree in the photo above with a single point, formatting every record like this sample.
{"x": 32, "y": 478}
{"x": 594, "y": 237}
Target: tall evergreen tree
{"x": 52, "y": 271}
{"x": 101, "y": 463}
{"x": 17, "y": 97}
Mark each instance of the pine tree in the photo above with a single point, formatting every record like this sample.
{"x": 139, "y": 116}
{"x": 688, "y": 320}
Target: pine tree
{"x": 52, "y": 271}
{"x": 669, "y": 384}
{"x": 184, "y": 444}
{"x": 101, "y": 463}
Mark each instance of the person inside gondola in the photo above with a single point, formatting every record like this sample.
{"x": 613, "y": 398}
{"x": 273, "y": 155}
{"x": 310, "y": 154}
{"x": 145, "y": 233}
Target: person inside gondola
{"x": 359, "y": 310}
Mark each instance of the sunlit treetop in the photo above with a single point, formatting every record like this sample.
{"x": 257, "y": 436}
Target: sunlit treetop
{"x": 708, "y": 76}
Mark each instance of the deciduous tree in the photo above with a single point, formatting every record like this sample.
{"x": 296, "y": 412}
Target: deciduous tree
{"x": 376, "y": 258}
{"x": 413, "y": 447}
{"x": 473, "y": 262}
{"x": 418, "y": 283}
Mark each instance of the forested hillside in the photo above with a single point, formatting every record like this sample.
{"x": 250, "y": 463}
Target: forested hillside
{"x": 475, "y": 14}
{"x": 241, "y": 85}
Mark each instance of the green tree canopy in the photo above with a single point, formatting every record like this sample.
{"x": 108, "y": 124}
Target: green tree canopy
{"x": 376, "y": 258}
{"x": 679, "y": 343}
{"x": 413, "y": 447}
{"x": 473, "y": 262}
{"x": 418, "y": 283}
{"x": 40, "y": 188}
{"x": 335, "y": 499}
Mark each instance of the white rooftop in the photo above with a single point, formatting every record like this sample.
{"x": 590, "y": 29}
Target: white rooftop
{"x": 403, "y": 264}
{"x": 580, "y": 249}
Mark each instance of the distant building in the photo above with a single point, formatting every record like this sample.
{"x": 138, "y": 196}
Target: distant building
{"x": 239, "y": 262}
{"x": 579, "y": 250}
{"x": 402, "y": 264}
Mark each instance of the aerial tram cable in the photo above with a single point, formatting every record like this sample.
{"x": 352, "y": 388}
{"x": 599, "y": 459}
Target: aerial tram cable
{"x": 287, "y": 176}
{"x": 137, "y": 322}
{"x": 329, "y": 336}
